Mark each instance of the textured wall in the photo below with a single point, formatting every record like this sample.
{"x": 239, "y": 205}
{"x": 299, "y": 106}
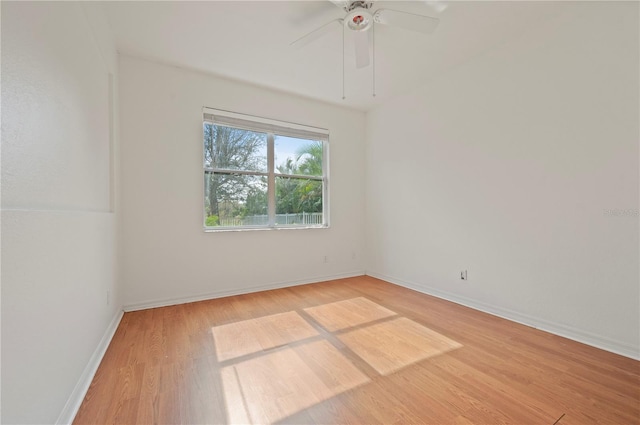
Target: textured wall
{"x": 166, "y": 255}
{"x": 520, "y": 166}
{"x": 58, "y": 231}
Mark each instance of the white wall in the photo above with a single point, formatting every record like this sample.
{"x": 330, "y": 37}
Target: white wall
{"x": 58, "y": 234}
{"x": 166, "y": 255}
{"x": 509, "y": 167}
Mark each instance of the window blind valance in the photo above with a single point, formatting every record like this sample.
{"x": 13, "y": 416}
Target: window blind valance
{"x": 264, "y": 125}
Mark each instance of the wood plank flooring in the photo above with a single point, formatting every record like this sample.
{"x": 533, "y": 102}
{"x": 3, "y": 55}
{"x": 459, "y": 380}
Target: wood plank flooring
{"x": 357, "y": 350}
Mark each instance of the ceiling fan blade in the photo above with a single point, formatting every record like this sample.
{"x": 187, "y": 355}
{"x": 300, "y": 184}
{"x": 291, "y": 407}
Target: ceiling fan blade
{"x": 437, "y": 5}
{"x": 342, "y": 4}
{"x": 361, "y": 39}
{"x": 409, "y": 21}
{"x": 316, "y": 34}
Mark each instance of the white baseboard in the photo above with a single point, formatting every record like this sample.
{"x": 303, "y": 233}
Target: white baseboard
{"x": 77, "y": 395}
{"x": 230, "y": 292}
{"x": 569, "y": 332}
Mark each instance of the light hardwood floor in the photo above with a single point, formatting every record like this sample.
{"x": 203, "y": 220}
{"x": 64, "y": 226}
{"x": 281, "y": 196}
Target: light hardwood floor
{"x": 356, "y": 350}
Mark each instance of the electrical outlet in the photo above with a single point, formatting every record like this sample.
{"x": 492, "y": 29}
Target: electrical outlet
{"x": 326, "y": 258}
{"x": 463, "y": 275}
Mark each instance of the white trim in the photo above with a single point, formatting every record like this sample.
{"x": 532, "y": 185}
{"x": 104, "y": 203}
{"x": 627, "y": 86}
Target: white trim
{"x": 270, "y": 128}
{"x": 82, "y": 386}
{"x": 230, "y": 292}
{"x": 263, "y": 120}
{"x": 271, "y": 180}
{"x": 325, "y": 183}
{"x": 579, "y": 335}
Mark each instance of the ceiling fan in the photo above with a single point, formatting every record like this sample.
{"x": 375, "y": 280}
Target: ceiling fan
{"x": 360, "y": 18}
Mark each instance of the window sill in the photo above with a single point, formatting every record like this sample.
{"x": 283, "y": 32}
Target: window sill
{"x": 253, "y": 229}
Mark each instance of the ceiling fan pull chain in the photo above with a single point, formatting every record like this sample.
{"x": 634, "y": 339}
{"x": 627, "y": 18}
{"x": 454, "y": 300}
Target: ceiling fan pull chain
{"x": 343, "y": 97}
{"x": 373, "y": 36}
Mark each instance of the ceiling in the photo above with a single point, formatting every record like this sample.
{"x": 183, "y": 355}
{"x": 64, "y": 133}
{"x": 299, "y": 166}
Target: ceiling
{"x": 250, "y": 41}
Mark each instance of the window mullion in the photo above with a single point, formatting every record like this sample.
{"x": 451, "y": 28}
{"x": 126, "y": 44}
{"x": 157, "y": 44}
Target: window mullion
{"x": 271, "y": 192}
{"x": 209, "y": 170}
{"x": 301, "y": 176}
{"x": 325, "y": 184}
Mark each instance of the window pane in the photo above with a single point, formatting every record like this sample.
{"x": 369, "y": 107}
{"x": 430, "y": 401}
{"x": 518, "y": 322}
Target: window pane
{"x": 233, "y": 200}
{"x": 234, "y": 149}
{"x": 298, "y": 156}
{"x": 298, "y": 201}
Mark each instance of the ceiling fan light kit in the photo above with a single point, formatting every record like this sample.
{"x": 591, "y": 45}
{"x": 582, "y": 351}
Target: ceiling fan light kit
{"x": 359, "y": 19}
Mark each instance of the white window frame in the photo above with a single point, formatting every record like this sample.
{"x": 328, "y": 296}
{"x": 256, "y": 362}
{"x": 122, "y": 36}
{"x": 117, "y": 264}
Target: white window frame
{"x": 272, "y": 128}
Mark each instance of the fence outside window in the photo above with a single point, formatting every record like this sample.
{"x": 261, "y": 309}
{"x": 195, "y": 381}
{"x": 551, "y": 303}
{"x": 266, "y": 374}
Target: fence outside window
{"x": 311, "y": 219}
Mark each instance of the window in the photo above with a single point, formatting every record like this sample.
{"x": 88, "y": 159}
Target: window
{"x": 261, "y": 173}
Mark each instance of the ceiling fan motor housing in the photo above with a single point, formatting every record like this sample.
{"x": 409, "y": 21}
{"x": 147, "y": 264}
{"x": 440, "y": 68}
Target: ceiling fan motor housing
{"x": 358, "y": 16}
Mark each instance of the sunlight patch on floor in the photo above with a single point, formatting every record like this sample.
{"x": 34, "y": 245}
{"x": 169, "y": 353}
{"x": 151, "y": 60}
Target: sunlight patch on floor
{"x": 251, "y": 336}
{"x": 284, "y": 374}
{"x": 393, "y": 345}
{"x": 348, "y": 313}
{"x": 278, "y": 384}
